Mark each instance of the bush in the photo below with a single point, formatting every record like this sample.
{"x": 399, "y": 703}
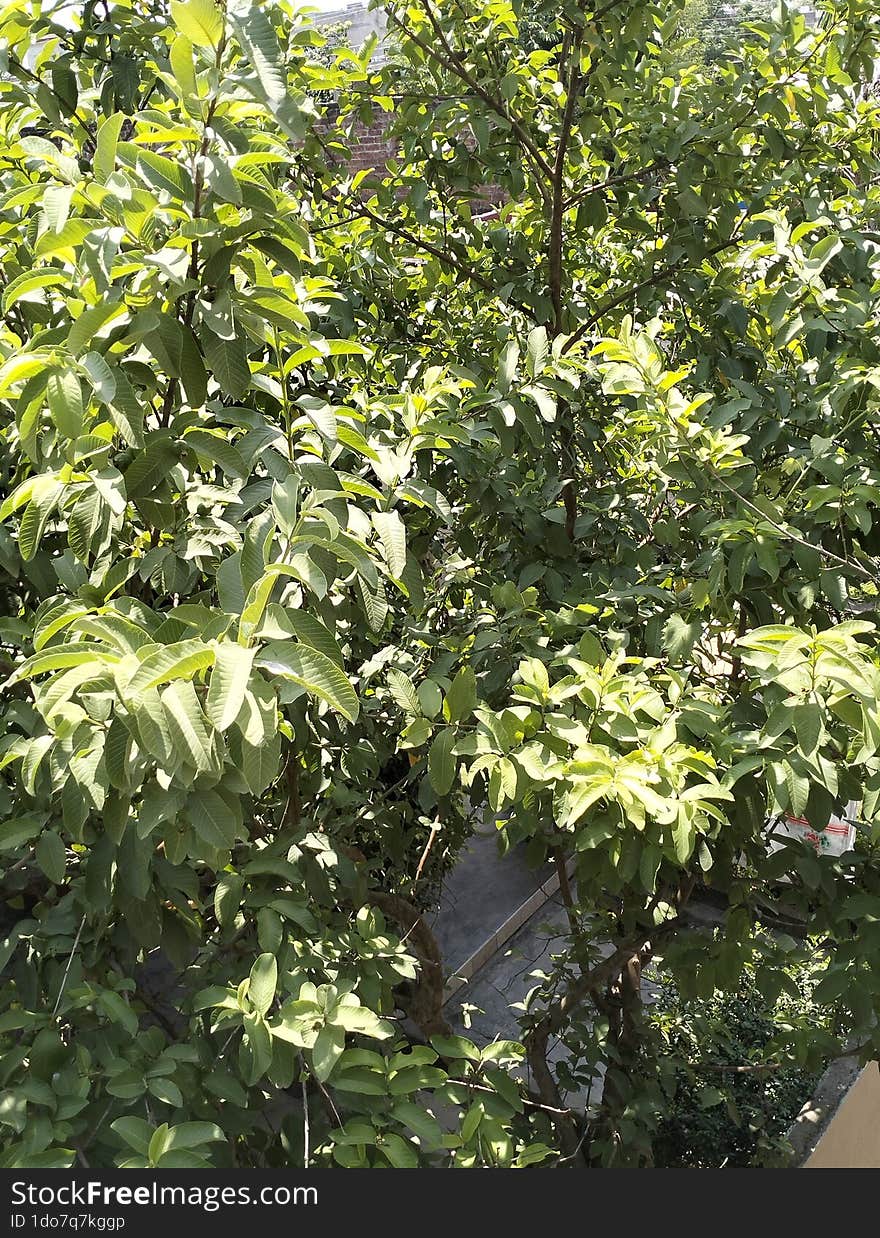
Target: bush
{"x": 733, "y": 1083}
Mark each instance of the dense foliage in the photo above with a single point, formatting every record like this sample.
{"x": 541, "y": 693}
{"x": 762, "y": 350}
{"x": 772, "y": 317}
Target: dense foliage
{"x": 338, "y": 508}
{"x": 732, "y": 1091}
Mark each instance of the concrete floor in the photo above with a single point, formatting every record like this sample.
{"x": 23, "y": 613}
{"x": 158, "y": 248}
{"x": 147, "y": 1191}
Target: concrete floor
{"x": 480, "y": 893}
{"x": 484, "y": 1009}
{"x": 483, "y": 891}
{"x": 481, "y": 1009}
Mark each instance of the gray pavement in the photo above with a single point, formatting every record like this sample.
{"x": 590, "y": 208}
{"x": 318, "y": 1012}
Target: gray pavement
{"x": 480, "y": 893}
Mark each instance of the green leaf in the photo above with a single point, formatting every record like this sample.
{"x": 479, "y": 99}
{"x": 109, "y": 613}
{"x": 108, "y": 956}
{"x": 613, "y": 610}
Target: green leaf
{"x": 125, "y": 409}
{"x": 90, "y": 322}
{"x": 430, "y": 698}
{"x": 25, "y": 286}
{"x": 177, "y": 661}
{"x": 229, "y": 681}
{"x": 18, "y": 830}
{"x": 33, "y": 524}
{"x": 216, "y": 448}
{"x": 263, "y": 980}
{"x": 310, "y": 631}
{"x": 834, "y": 984}
{"x": 186, "y": 723}
{"x": 461, "y": 699}
{"x": 537, "y": 350}
{"x": 456, "y": 1047}
{"x": 314, "y": 672}
{"x": 104, "y": 161}
{"x": 441, "y": 763}
{"x": 64, "y": 394}
{"x": 193, "y": 1135}
{"x": 55, "y": 621}
{"x": 808, "y": 726}
{"x": 256, "y": 602}
{"x": 150, "y": 467}
{"x": 360, "y": 1019}
{"x": 200, "y": 20}
{"x": 52, "y": 856}
{"x": 257, "y": 37}
{"x": 159, "y": 172}
{"x": 684, "y": 835}
{"x": 420, "y": 1122}
{"x": 680, "y": 637}
{"x": 326, "y": 1051}
{"x": 263, "y": 51}
{"x": 212, "y": 820}
{"x": 181, "y": 58}
{"x": 403, "y": 691}
{"x": 507, "y": 367}
{"x": 227, "y": 898}
{"x": 392, "y": 536}
{"x": 798, "y": 787}
{"x": 399, "y": 1152}
{"x": 136, "y": 1132}
{"x": 375, "y": 603}
{"x": 167, "y": 1091}
{"x": 229, "y": 363}
{"x": 708, "y": 1097}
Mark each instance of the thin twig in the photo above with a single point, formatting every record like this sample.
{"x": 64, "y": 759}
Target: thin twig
{"x": 435, "y": 830}
{"x": 305, "y": 1096}
{"x": 82, "y": 924}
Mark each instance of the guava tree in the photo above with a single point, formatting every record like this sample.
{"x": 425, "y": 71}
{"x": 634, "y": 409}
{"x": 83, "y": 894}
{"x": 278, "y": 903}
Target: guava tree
{"x": 330, "y": 497}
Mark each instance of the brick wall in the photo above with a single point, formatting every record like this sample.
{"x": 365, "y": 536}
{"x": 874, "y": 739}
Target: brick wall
{"x": 371, "y": 149}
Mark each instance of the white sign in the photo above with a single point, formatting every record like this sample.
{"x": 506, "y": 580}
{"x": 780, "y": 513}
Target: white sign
{"x": 839, "y": 834}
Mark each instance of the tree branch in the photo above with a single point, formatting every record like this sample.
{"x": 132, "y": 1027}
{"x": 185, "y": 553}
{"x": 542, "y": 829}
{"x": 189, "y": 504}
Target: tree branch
{"x": 452, "y": 63}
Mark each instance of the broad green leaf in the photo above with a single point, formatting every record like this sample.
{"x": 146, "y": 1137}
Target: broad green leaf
{"x": 403, "y": 691}
{"x": 177, "y": 661}
{"x": 311, "y": 631}
{"x": 216, "y": 448}
{"x": 51, "y": 856}
{"x": 167, "y": 1091}
{"x": 392, "y": 536}
{"x": 193, "y": 1135}
{"x": 212, "y": 820}
{"x": 313, "y": 671}
{"x": 181, "y": 58}
{"x": 30, "y": 286}
{"x": 326, "y": 1051}
{"x": 228, "y": 361}
{"x": 90, "y": 321}
{"x": 200, "y": 20}
{"x": 104, "y": 160}
{"x": 136, "y": 1132}
{"x": 186, "y": 724}
{"x": 66, "y": 402}
{"x": 33, "y": 524}
{"x": 229, "y": 680}
{"x": 263, "y": 980}
{"x": 679, "y": 637}
{"x": 75, "y": 653}
{"x": 441, "y": 762}
{"x": 461, "y": 699}
{"x": 430, "y": 698}
{"x": 227, "y": 898}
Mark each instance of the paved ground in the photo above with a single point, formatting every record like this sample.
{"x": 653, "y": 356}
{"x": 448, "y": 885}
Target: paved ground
{"x": 483, "y": 1006}
{"x": 485, "y": 889}
{"x": 479, "y": 894}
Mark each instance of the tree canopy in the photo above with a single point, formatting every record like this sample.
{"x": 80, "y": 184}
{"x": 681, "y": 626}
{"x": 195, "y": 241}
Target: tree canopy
{"x": 339, "y": 509}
